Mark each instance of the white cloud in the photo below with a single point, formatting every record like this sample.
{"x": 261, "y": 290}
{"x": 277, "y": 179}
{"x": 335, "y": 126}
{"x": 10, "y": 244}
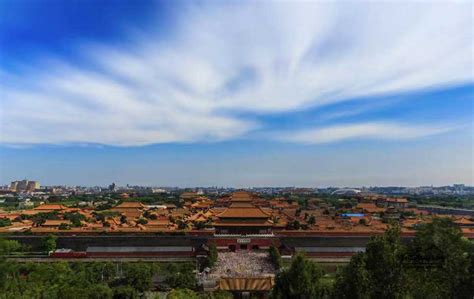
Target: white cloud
{"x": 371, "y": 130}
{"x": 260, "y": 57}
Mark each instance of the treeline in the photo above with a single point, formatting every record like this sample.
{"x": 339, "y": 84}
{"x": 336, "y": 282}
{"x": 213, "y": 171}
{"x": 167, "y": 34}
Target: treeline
{"x": 438, "y": 263}
{"x": 73, "y": 280}
{"x": 452, "y": 201}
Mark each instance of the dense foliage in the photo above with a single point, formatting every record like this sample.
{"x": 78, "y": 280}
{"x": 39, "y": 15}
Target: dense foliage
{"x": 49, "y": 243}
{"x": 439, "y": 263}
{"x": 88, "y": 280}
{"x": 75, "y": 218}
{"x": 275, "y": 257}
{"x": 85, "y": 280}
{"x": 300, "y": 280}
{"x": 212, "y": 254}
{"x": 452, "y": 201}
{"x": 5, "y": 222}
{"x": 73, "y": 280}
{"x": 190, "y": 294}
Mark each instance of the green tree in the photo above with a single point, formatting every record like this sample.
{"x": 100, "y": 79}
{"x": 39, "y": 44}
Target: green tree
{"x": 351, "y": 280}
{"x": 64, "y": 226}
{"x": 49, "y": 243}
{"x": 442, "y": 261}
{"x": 142, "y": 221}
{"x": 438, "y": 263}
{"x": 181, "y": 224}
{"x": 99, "y": 291}
{"x": 5, "y": 222}
{"x": 9, "y": 246}
{"x": 181, "y": 276}
{"x": 139, "y": 275}
{"x": 182, "y": 294}
{"x": 384, "y": 260}
{"x": 300, "y": 281}
{"x": 212, "y": 254}
{"x": 125, "y": 292}
{"x": 75, "y": 218}
{"x": 275, "y": 257}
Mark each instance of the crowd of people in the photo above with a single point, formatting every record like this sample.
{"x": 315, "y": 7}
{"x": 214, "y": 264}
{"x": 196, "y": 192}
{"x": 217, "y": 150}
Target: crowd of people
{"x": 242, "y": 264}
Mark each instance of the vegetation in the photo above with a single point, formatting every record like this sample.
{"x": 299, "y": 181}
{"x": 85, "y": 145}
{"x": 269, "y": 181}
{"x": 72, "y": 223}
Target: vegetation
{"x": 9, "y": 246}
{"x": 64, "y": 226}
{"x": 75, "y": 218}
{"x": 88, "y": 280}
{"x": 74, "y": 280}
{"x": 182, "y": 294}
{"x": 212, "y": 254}
{"x": 49, "y": 243}
{"x": 142, "y": 221}
{"x": 439, "y": 263}
{"x": 41, "y": 218}
{"x": 300, "y": 280}
{"x": 190, "y": 294}
{"x": 180, "y": 276}
{"x": 275, "y": 257}
{"x": 181, "y": 224}
{"x": 5, "y": 222}
{"x": 452, "y": 201}
{"x": 293, "y": 225}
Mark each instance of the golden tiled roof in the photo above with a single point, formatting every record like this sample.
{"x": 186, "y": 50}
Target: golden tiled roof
{"x": 246, "y": 284}
{"x": 243, "y": 212}
{"x": 241, "y": 196}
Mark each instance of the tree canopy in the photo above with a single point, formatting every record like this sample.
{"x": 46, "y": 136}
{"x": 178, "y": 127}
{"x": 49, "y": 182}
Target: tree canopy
{"x": 299, "y": 281}
{"x": 438, "y": 263}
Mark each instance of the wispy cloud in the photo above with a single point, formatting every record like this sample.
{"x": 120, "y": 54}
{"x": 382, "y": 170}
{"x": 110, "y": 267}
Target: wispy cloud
{"x": 371, "y": 130}
{"x": 255, "y": 57}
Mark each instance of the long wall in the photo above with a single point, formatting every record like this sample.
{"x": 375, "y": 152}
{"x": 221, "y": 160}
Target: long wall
{"x": 80, "y": 243}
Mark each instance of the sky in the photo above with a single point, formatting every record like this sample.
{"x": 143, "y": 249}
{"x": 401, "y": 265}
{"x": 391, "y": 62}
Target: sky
{"x": 237, "y": 93}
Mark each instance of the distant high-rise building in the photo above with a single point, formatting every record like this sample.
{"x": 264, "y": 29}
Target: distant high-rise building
{"x": 14, "y": 186}
{"x": 112, "y": 187}
{"x": 21, "y": 186}
{"x": 32, "y": 186}
{"x": 24, "y": 185}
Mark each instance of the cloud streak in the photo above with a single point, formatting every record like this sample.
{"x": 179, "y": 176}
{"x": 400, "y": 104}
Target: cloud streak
{"x": 371, "y": 130}
{"x": 223, "y": 61}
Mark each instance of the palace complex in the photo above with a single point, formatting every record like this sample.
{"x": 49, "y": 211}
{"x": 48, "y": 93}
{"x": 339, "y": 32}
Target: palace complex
{"x": 237, "y": 221}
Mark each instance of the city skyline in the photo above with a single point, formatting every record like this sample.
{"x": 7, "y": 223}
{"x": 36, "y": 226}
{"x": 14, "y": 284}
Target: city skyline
{"x": 236, "y": 94}
{"x": 170, "y": 187}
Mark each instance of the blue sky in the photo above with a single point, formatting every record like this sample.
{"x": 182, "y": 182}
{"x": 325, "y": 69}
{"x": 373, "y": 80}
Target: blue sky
{"x": 236, "y": 93}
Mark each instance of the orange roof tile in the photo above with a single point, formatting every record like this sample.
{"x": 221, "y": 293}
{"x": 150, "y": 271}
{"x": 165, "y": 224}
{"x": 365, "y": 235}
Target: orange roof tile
{"x": 241, "y": 196}
{"x": 464, "y": 221}
{"x": 55, "y": 222}
{"x": 130, "y": 204}
{"x": 50, "y": 207}
{"x": 243, "y": 212}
